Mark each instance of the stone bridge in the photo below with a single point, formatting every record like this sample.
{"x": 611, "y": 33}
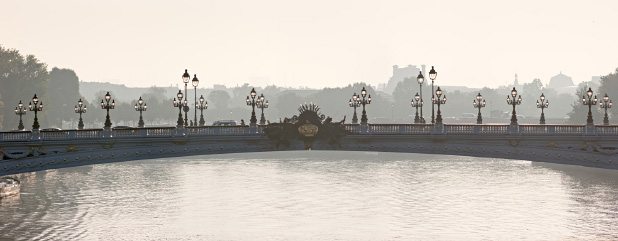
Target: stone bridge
{"x": 587, "y": 145}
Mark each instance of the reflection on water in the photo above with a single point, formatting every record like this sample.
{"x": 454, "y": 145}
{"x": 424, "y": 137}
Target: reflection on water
{"x": 311, "y": 195}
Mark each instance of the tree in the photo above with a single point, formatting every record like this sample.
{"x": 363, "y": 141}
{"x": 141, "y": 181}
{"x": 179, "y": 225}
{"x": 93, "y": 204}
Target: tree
{"x": 63, "y": 95}
{"x": 159, "y": 107}
{"x": 288, "y": 103}
{"x": 403, "y": 94}
{"x": 579, "y": 112}
{"x": 21, "y": 77}
{"x": 219, "y": 99}
{"x": 609, "y": 85}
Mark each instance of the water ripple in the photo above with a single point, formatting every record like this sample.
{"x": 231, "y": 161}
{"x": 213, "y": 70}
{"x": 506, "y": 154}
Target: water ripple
{"x": 315, "y": 196}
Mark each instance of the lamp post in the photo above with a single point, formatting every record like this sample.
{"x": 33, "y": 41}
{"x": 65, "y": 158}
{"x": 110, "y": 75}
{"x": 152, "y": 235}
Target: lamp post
{"x": 432, "y": 75}
{"x": 80, "y": 108}
{"x": 417, "y": 102}
{"x": 195, "y": 82}
{"x": 479, "y": 105}
{"x": 513, "y": 101}
{"x": 201, "y": 106}
{"x": 251, "y": 102}
{"x": 364, "y": 102}
{"x": 107, "y": 106}
{"x": 140, "y": 108}
{"x": 354, "y": 103}
{"x": 543, "y": 104}
{"x": 262, "y": 103}
{"x": 590, "y": 102}
{"x": 420, "y": 79}
{"x": 20, "y": 110}
{"x": 439, "y": 102}
{"x": 604, "y": 104}
{"x": 185, "y": 79}
{"x": 180, "y": 106}
{"x": 36, "y": 108}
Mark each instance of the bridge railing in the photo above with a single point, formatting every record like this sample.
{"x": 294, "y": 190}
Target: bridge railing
{"x": 160, "y": 131}
{"x": 219, "y": 130}
{"x": 16, "y": 135}
{"x": 353, "y": 129}
{"x": 87, "y": 133}
{"x": 55, "y": 134}
{"x": 607, "y": 130}
{"x": 552, "y": 129}
{"x": 386, "y": 129}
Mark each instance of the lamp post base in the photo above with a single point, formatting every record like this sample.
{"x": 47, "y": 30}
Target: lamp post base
{"x": 590, "y": 129}
{"x": 262, "y": 120}
{"x": 606, "y": 120}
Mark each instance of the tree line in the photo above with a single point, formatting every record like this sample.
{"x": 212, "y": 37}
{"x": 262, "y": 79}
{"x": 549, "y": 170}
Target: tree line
{"x": 23, "y": 76}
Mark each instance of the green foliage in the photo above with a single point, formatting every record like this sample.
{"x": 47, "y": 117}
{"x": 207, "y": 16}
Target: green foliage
{"x": 219, "y": 99}
{"x": 579, "y": 112}
{"x": 22, "y": 77}
{"x": 609, "y": 85}
{"x": 63, "y": 95}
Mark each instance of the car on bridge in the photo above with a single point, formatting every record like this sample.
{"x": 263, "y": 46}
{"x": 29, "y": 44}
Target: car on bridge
{"x": 224, "y": 123}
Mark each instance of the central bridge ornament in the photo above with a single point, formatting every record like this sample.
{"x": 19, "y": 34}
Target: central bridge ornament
{"x": 309, "y": 126}
{"x": 308, "y": 129}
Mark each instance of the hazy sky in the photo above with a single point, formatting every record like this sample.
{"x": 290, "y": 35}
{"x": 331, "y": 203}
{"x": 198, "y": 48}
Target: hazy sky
{"x": 315, "y": 43}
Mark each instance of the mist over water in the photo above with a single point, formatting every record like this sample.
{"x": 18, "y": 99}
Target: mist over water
{"x": 314, "y": 195}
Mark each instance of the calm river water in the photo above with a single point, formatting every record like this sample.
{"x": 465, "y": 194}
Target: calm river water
{"x": 312, "y": 195}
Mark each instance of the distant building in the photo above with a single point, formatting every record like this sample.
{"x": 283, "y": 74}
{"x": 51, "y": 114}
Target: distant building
{"x": 411, "y": 71}
{"x": 560, "y": 81}
{"x": 516, "y": 84}
{"x": 562, "y": 84}
{"x": 596, "y": 80}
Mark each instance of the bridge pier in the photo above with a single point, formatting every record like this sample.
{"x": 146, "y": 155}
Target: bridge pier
{"x": 514, "y": 128}
{"x": 590, "y": 130}
{"x": 107, "y": 132}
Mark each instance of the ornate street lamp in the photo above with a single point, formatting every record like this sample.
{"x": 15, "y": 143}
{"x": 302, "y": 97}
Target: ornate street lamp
{"x": 364, "y": 102}
{"x": 20, "y": 110}
{"x": 420, "y": 79}
{"x": 251, "y": 102}
{"x": 107, "y": 106}
{"x": 140, "y": 108}
{"x": 195, "y": 82}
{"x": 514, "y": 101}
{"x": 590, "y": 102}
{"x": 479, "y": 105}
{"x": 201, "y": 106}
{"x": 36, "y": 108}
{"x": 432, "y": 75}
{"x": 180, "y": 104}
{"x": 604, "y": 104}
{"x": 262, "y": 103}
{"x": 417, "y": 102}
{"x": 80, "y": 108}
{"x": 439, "y": 102}
{"x": 543, "y": 104}
{"x": 354, "y": 103}
{"x": 185, "y": 79}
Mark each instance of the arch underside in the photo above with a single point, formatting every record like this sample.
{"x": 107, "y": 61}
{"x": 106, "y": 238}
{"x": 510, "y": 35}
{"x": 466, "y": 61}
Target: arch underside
{"x": 595, "y": 151}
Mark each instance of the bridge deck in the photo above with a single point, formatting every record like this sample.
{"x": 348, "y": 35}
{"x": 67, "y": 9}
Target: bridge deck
{"x": 25, "y": 151}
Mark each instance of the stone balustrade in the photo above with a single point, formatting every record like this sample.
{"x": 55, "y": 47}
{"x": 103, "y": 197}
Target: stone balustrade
{"x": 353, "y": 129}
